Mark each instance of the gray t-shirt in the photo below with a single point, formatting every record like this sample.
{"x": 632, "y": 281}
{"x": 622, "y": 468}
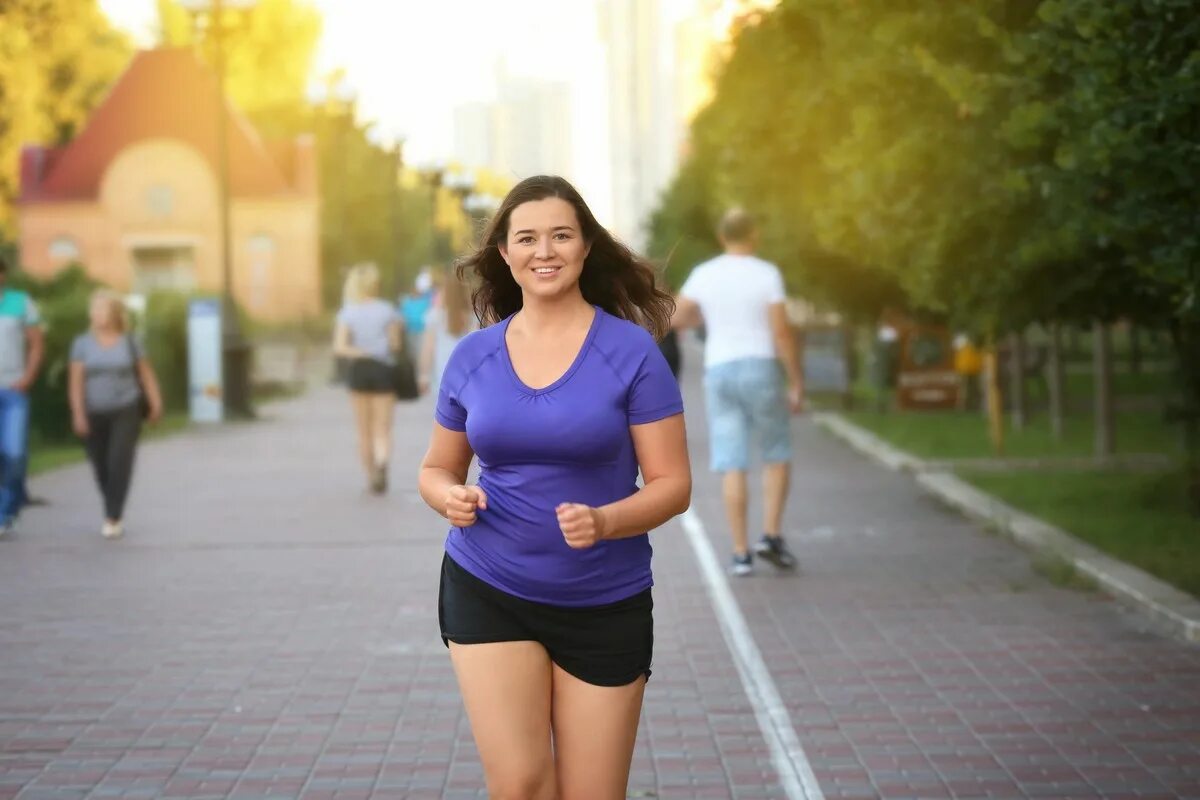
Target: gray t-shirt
{"x": 17, "y": 312}
{"x": 368, "y": 323}
{"x": 110, "y": 377}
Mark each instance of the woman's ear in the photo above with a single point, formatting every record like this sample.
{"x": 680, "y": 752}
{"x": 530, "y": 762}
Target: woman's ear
{"x": 503, "y": 248}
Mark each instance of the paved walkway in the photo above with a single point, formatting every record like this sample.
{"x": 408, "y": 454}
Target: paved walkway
{"x": 266, "y": 630}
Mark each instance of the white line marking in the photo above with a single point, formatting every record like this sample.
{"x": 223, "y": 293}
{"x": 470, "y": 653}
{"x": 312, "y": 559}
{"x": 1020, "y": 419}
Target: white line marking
{"x": 795, "y": 773}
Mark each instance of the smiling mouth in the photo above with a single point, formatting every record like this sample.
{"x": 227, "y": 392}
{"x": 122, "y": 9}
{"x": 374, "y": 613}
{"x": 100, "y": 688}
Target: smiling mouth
{"x": 546, "y": 270}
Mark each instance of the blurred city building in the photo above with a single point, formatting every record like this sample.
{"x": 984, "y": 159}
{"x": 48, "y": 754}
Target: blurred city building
{"x": 134, "y": 198}
{"x": 526, "y": 131}
{"x": 662, "y": 57}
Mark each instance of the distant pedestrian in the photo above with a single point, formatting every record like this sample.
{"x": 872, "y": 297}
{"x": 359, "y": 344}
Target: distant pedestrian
{"x": 110, "y": 386}
{"x": 413, "y": 308}
{"x": 751, "y": 377}
{"x": 448, "y": 320}
{"x": 368, "y": 333}
{"x": 545, "y": 598}
{"x": 22, "y": 346}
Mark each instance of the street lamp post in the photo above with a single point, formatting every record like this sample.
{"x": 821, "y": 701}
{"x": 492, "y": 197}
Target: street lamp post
{"x": 433, "y": 174}
{"x": 333, "y": 102}
{"x": 396, "y": 153}
{"x": 235, "y": 350}
{"x": 460, "y": 184}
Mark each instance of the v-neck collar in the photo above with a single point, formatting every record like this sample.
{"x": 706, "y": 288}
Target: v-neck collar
{"x": 566, "y": 376}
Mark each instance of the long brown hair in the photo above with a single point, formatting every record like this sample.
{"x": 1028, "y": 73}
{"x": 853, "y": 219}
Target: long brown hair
{"x": 614, "y": 277}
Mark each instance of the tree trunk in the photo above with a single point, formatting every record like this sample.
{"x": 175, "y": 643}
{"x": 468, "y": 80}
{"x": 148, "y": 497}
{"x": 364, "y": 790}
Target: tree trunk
{"x": 1135, "y": 349}
{"x": 994, "y": 400}
{"x": 1016, "y": 379}
{"x": 1102, "y": 377}
{"x": 1074, "y": 346}
{"x": 1055, "y": 383}
{"x": 1186, "y": 341}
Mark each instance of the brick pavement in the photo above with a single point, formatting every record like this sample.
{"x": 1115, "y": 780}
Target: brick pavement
{"x": 266, "y": 630}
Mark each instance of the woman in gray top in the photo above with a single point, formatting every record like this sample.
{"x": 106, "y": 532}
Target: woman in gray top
{"x": 368, "y": 332}
{"x": 107, "y": 376}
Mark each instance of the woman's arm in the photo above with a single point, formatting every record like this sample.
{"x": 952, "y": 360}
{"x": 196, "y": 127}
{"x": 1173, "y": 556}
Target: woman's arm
{"x": 150, "y": 387}
{"x": 341, "y": 343}
{"x": 662, "y": 455}
{"x": 75, "y": 376}
{"x": 395, "y": 333}
{"x": 441, "y": 481}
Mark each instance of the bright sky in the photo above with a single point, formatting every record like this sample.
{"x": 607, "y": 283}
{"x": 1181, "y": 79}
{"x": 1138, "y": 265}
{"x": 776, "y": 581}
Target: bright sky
{"x": 411, "y": 63}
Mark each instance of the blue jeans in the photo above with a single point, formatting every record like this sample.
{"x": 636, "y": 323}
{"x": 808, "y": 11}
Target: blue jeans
{"x": 746, "y": 399}
{"x": 14, "y": 451}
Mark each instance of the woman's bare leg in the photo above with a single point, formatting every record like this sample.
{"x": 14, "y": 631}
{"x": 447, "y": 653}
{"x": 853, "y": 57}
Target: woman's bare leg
{"x": 506, "y": 689}
{"x": 361, "y": 402}
{"x": 595, "y": 728}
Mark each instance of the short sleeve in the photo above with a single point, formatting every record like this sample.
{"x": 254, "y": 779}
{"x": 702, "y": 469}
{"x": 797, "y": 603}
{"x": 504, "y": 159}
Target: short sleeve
{"x": 450, "y": 411}
{"x": 654, "y": 392}
{"x": 32, "y": 316}
{"x": 78, "y": 349}
{"x": 775, "y": 291}
{"x": 139, "y": 348}
{"x": 689, "y": 288}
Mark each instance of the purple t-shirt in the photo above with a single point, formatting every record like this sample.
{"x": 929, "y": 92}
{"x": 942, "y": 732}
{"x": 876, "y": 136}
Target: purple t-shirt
{"x": 566, "y": 443}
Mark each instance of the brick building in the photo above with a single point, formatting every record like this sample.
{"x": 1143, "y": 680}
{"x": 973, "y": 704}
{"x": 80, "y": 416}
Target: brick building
{"x": 134, "y": 198}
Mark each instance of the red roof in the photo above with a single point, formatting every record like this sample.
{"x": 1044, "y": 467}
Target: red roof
{"x": 165, "y": 93}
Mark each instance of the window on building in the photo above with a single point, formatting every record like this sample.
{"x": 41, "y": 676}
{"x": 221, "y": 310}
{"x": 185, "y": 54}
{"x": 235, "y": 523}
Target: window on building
{"x": 171, "y": 268}
{"x": 160, "y": 200}
{"x": 63, "y": 250}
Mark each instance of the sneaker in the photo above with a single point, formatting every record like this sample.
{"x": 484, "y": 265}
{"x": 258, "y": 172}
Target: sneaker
{"x": 773, "y": 549}
{"x": 111, "y": 530}
{"x": 742, "y": 565}
{"x": 378, "y": 480}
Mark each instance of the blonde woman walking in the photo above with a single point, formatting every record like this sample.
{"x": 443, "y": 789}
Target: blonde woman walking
{"x": 368, "y": 333}
{"x": 111, "y": 386}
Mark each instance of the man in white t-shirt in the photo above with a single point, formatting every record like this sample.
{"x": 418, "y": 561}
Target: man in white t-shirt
{"x": 751, "y": 379}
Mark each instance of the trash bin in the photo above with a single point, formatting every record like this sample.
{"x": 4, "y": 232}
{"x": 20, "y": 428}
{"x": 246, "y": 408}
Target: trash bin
{"x": 885, "y": 364}
{"x": 235, "y": 373}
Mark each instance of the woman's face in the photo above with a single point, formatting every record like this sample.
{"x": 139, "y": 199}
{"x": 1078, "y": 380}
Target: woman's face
{"x": 102, "y": 314}
{"x": 544, "y": 248}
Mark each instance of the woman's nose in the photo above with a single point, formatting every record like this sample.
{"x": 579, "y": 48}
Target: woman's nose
{"x": 545, "y": 248}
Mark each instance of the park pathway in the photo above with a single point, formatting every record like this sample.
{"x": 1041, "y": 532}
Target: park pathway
{"x": 266, "y": 629}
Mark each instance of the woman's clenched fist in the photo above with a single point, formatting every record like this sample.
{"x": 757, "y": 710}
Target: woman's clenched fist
{"x": 462, "y": 503}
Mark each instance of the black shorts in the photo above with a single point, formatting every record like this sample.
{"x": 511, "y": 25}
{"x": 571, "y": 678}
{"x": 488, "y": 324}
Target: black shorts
{"x": 608, "y": 645}
{"x": 370, "y": 376}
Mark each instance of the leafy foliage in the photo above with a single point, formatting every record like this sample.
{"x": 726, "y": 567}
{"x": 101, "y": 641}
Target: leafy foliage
{"x": 57, "y": 59}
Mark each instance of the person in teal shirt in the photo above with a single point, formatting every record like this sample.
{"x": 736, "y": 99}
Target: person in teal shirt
{"x": 22, "y": 346}
{"x": 413, "y": 308}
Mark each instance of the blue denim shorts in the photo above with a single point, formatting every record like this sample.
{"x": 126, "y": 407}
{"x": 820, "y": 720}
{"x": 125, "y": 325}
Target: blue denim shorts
{"x": 746, "y": 398}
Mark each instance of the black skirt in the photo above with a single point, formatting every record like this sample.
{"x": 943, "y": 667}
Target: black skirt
{"x": 370, "y": 376}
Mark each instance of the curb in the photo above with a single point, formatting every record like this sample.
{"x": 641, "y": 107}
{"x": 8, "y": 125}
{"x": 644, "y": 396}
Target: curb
{"x": 864, "y": 441}
{"x": 1176, "y": 610}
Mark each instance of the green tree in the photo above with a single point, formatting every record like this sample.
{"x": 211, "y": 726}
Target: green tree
{"x": 1111, "y": 96}
{"x": 57, "y": 59}
{"x": 270, "y": 48}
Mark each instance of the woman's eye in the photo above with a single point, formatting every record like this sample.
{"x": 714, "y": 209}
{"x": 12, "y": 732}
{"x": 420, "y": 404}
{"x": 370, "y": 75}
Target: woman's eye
{"x": 525, "y": 240}
{"x": 562, "y": 236}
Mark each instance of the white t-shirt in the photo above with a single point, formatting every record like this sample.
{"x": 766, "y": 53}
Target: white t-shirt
{"x": 733, "y": 292}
